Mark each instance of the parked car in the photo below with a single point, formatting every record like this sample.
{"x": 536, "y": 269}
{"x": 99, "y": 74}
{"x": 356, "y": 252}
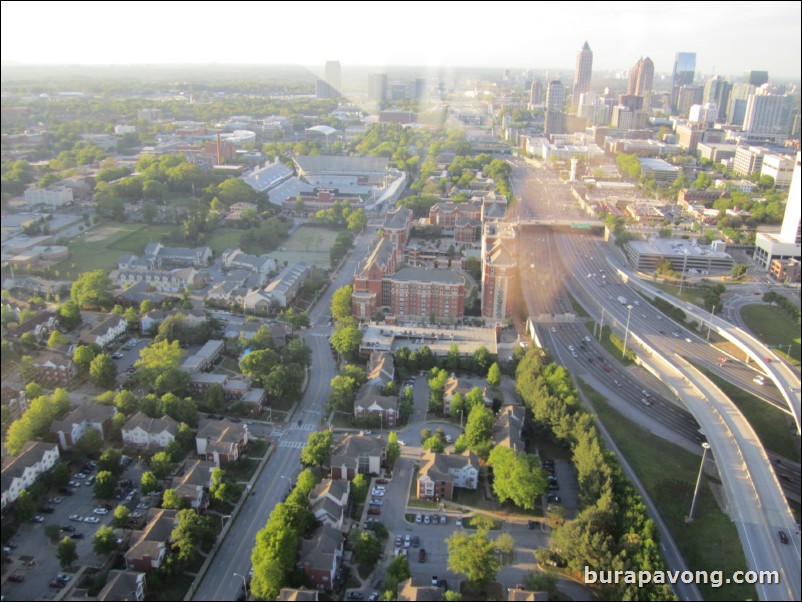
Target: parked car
{"x": 76, "y": 517}
{"x": 54, "y": 500}
{"x": 427, "y": 519}
{"x": 56, "y": 584}
{"x": 374, "y": 510}
{"x": 422, "y": 555}
{"x": 418, "y": 518}
{"x": 46, "y": 509}
{"x": 68, "y": 528}
{"x": 16, "y": 577}
{"x": 77, "y": 536}
{"x": 92, "y": 519}
{"x": 38, "y": 518}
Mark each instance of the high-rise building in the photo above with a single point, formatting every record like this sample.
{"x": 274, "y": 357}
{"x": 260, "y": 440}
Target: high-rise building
{"x": 687, "y": 96}
{"x": 717, "y": 91}
{"x": 641, "y": 76}
{"x": 785, "y": 245}
{"x": 334, "y": 77}
{"x": 792, "y": 226}
{"x": 555, "y": 114}
{"x": 536, "y": 92}
{"x": 705, "y": 114}
{"x": 582, "y": 73}
{"x": 684, "y": 69}
{"x": 377, "y": 87}
{"x": 768, "y": 114}
{"x": 756, "y": 78}
{"x": 736, "y": 107}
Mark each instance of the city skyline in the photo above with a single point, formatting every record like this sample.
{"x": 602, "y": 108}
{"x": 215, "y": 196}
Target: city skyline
{"x": 618, "y": 33}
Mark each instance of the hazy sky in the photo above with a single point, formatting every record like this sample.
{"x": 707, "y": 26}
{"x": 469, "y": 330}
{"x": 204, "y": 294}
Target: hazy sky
{"x": 728, "y": 38}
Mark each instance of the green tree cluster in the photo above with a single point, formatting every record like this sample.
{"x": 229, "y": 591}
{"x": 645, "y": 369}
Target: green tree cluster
{"x": 612, "y": 529}
{"x": 35, "y": 421}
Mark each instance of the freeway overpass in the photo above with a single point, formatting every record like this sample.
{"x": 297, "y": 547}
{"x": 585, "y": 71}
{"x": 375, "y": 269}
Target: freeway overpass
{"x": 573, "y": 224}
{"x": 786, "y": 380}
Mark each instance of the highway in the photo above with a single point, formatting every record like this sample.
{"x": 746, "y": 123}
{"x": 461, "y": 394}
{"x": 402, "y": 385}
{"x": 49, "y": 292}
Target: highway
{"x": 752, "y": 487}
{"x": 234, "y": 552}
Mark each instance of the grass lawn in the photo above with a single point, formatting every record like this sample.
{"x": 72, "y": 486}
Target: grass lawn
{"x": 615, "y": 347}
{"x": 690, "y": 295}
{"x": 771, "y": 424}
{"x": 101, "y": 247}
{"x": 224, "y": 239}
{"x": 669, "y": 474}
{"x": 475, "y": 499}
{"x": 578, "y": 309}
{"x": 307, "y": 244}
{"x": 774, "y": 328}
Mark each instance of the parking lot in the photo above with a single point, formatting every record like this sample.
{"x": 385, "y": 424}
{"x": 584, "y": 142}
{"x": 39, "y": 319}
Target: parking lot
{"x": 31, "y": 541}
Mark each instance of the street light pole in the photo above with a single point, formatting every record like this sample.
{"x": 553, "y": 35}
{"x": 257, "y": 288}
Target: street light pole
{"x": 705, "y": 447}
{"x": 222, "y": 519}
{"x": 244, "y": 583}
{"x": 710, "y": 322}
{"x": 626, "y": 333}
{"x": 601, "y": 325}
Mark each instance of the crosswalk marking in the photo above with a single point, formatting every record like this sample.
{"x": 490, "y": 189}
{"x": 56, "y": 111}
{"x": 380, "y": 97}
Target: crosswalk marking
{"x": 292, "y": 444}
{"x": 306, "y": 427}
{"x": 278, "y": 433}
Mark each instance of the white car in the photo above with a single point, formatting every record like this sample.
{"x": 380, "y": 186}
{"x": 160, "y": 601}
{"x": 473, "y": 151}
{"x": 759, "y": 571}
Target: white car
{"x": 92, "y": 519}
{"x": 418, "y": 519}
{"x": 377, "y": 493}
{"x": 571, "y": 348}
{"x": 101, "y": 511}
{"x": 76, "y": 517}
{"x": 587, "y": 339}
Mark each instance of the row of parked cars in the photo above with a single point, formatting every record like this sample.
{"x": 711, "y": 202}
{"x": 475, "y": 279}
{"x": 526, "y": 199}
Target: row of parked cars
{"x": 432, "y": 519}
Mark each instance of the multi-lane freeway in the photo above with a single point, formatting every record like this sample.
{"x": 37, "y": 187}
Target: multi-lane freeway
{"x": 559, "y": 261}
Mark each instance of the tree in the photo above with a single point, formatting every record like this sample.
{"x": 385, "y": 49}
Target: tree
{"x": 171, "y": 499}
{"x": 452, "y": 358}
{"x": 479, "y": 429}
{"x": 103, "y": 371}
{"x": 397, "y": 572}
{"x": 148, "y": 482}
{"x": 90, "y": 444}
{"x": 261, "y": 339}
{"x": 220, "y": 491}
{"x": 268, "y": 579}
{"x": 105, "y": 484}
{"x": 435, "y": 444}
{"x": 161, "y": 464}
{"x": 60, "y": 474}
{"x": 105, "y": 541}
{"x": 214, "y": 398}
{"x": 739, "y": 271}
{"x": 296, "y": 319}
{"x": 359, "y": 488}
{"x": 121, "y": 515}
{"x": 342, "y": 392}
{"x": 367, "y": 549}
{"x": 92, "y": 290}
{"x": 494, "y": 375}
{"x": 517, "y": 477}
{"x": 24, "y": 506}
{"x": 180, "y": 409}
{"x": 110, "y": 461}
{"x": 56, "y": 339}
{"x": 393, "y": 448}
{"x": 297, "y": 352}
{"x": 126, "y": 402}
{"x": 505, "y": 544}
{"x": 357, "y": 221}
{"x": 317, "y": 449}
{"x": 83, "y": 356}
{"x": 457, "y": 404}
{"x": 473, "y": 556}
{"x": 482, "y": 360}
{"x": 158, "y": 359}
{"x": 66, "y": 552}
{"x": 191, "y": 530}
{"x": 341, "y": 302}
{"x": 149, "y": 212}
{"x": 258, "y": 364}
{"x": 347, "y": 340}
{"x": 452, "y": 596}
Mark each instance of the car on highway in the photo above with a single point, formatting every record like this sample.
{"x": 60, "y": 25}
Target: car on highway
{"x": 571, "y": 348}
{"x": 606, "y": 368}
{"x": 783, "y": 536}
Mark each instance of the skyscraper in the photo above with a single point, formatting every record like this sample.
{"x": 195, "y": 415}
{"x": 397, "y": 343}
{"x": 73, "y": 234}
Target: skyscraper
{"x": 641, "y": 77}
{"x": 756, "y": 78}
{"x": 717, "y": 90}
{"x": 334, "y": 76}
{"x": 555, "y": 115}
{"x": 377, "y": 87}
{"x": 736, "y": 107}
{"x": 768, "y": 114}
{"x": 791, "y": 231}
{"x": 684, "y": 69}
{"x": 584, "y": 67}
{"x": 536, "y": 93}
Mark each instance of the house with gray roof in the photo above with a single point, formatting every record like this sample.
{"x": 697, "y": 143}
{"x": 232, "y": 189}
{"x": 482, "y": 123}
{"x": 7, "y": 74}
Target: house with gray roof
{"x": 221, "y": 441}
{"x": 288, "y": 284}
{"x": 370, "y": 402}
{"x": 329, "y": 500}
{"x": 20, "y": 471}
{"x": 440, "y": 473}
{"x": 123, "y": 585}
{"x": 509, "y": 427}
{"x": 77, "y": 423}
{"x": 357, "y": 454}
{"x": 321, "y": 558}
{"x": 145, "y": 432}
{"x": 178, "y": 256}
{"x": 150, "y": 546}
